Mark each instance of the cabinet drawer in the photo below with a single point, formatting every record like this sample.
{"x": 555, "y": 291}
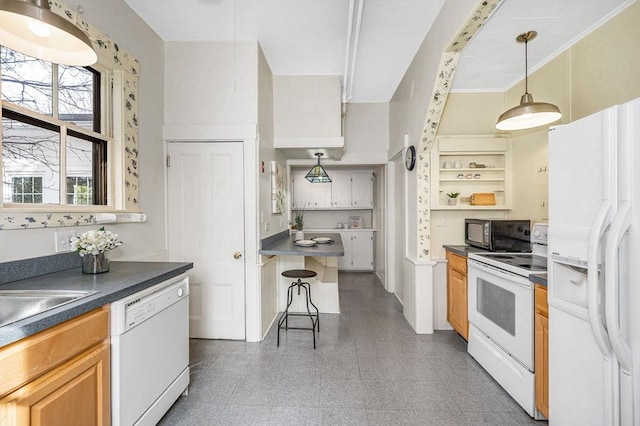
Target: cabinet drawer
{"x": 542, "y": 306}
{"x": 50, "y": 348}
{"x": 459, "y": 263}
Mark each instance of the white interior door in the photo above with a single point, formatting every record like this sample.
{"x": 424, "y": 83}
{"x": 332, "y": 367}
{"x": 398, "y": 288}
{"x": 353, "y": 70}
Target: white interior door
{"x": 206, "y": 227}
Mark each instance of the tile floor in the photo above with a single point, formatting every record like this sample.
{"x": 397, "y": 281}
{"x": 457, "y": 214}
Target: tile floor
{"x": 370, "y": 368}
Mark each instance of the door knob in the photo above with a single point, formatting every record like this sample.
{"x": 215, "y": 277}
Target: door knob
{"x": 237, "y": 255}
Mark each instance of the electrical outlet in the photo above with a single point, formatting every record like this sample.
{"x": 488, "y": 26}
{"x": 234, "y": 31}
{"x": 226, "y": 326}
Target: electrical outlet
{"x": 266, "y": 226}
{"x": 281, "y": 224}
{"x": 62, "y": 240}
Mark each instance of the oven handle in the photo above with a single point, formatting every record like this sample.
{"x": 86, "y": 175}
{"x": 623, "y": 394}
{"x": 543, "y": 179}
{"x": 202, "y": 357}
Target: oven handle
{"x": 500, "y": 273}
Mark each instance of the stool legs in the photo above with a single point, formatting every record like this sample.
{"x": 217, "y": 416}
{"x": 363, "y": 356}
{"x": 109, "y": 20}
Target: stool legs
{"x": 283, "y": 322}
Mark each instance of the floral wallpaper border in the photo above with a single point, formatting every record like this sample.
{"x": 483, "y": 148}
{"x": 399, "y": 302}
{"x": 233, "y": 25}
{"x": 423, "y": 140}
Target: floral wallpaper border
{"x": 114, "y": 57}
{"x": 441, "y": 89}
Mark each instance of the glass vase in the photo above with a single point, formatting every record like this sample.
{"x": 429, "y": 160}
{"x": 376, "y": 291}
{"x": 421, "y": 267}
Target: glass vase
{"x": 95, "y": 263}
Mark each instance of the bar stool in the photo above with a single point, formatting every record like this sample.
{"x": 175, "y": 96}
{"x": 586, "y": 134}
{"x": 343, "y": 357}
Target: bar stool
{"x": 283, "y": 323}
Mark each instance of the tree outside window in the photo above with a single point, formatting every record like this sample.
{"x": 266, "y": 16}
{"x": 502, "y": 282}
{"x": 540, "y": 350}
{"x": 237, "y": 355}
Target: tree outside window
{"x": 50, "y": 117}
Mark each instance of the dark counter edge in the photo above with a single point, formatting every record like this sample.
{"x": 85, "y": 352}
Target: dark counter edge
{"x": 463, "y": 250}
{"x": 539, "y": 278}
{"x": 18, "y": 330}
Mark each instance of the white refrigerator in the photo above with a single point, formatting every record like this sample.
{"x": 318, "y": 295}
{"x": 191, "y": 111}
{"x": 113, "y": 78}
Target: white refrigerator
{"x": 594, "y": 269}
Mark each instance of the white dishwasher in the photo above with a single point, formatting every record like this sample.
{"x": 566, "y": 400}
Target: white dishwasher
{"x": 149, "y": 352}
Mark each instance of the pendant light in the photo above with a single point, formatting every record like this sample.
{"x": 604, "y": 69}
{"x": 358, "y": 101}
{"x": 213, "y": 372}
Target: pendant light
{"x": 529, "y": 113}
{"x": 31, "y": 28}
{"x": 317, "y": 174}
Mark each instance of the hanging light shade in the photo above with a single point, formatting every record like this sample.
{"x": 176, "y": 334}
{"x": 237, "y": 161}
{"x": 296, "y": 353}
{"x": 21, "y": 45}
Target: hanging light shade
{"x": 528, "y": 114}
{"x": 317, "y": 174}
{"x": 31, "y": 28}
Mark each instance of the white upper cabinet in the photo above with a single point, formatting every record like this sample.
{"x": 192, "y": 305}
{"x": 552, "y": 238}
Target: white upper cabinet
{"x": 362, "y": 190}
{"x": 340, "y": 188}
{"x": 307, "y": 195}
{"x": 348, "y": 190}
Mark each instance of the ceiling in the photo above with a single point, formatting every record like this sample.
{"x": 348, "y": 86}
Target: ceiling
{"x": 309, "y": 37}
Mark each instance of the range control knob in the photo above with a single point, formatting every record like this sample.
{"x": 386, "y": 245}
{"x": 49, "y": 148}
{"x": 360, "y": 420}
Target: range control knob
{"x": 180, "y": 292}
{"x": 536, "y": 233}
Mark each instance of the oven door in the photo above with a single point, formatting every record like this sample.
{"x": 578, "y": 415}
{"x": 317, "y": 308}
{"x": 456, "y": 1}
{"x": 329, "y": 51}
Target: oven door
{"x": 501, "y": 306}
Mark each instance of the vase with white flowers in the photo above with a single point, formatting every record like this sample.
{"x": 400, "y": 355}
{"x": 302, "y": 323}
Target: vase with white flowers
{"x": 92, "y": 246}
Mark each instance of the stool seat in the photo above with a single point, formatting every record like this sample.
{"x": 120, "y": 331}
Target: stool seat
{"x": 299, "y": 273}
{"x": 283, "y": 323}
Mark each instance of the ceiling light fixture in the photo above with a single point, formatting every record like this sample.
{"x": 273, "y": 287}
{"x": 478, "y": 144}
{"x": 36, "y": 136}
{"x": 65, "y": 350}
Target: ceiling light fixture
{"x": 317, "y": 174}
{"x": 31, "y": 28}
{"x": 529, "y": 113}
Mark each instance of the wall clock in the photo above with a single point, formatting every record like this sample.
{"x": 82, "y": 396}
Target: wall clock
{"x": 410, "y": 158}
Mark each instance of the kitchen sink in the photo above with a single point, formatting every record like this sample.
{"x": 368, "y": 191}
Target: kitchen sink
{"x": 19, "y": 304}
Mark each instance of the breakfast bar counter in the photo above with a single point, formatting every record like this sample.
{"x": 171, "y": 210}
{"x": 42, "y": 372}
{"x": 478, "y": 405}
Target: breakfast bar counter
{"x": 321, "y": 258}
{"x": 286, "y": 246}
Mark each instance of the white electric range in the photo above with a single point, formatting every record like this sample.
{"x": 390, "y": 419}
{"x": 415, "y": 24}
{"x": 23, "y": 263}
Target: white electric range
{"x": 501, "y": 316}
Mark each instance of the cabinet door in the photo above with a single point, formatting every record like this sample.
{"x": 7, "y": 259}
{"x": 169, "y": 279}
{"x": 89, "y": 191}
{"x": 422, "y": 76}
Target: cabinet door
{"x": 320, "y": 195}
{"x": 301, "y": 190}
{"x": 344, "y": 262}
{"x": 457, "y": 314}
{"x": 542, "y": 363}
{"x": 340, "y": 188}
{"x": 362, "y": 251}
{"x": 362, "y": 190}
{"x": 76, "y": 393}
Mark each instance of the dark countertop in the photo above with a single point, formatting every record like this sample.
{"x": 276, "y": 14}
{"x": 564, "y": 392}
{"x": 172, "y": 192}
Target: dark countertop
{"x": 539, "y": 278}
{"x": 463, "y": 250}
{"x": 284, "y": 246}
{"x": 123, "y": 279}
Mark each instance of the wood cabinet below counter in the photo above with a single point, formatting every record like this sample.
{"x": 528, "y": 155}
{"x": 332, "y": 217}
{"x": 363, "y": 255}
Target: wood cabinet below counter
{"x": 58, "y": 376}
{"x": 457, "y": 313}
{"x": 542, "y": 350}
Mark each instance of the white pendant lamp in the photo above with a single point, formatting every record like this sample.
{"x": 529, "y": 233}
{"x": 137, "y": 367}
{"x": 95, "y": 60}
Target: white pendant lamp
{"x": 318, "y": 174}
{"x": 528, "y": 114}
{"x": 31, "y": 28}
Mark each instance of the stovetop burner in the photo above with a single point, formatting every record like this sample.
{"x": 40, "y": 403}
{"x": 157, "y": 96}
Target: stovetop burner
{"x": 518, "y": 263}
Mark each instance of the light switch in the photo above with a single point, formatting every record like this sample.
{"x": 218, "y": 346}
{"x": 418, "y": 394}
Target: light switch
{"x": 62, "y": 240}
{"x": 261, "y": 216}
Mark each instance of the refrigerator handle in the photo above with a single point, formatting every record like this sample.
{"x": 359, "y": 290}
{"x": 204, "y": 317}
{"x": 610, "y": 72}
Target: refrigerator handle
{"x": 595, "y": 319}
{"x": 619, "y": 226}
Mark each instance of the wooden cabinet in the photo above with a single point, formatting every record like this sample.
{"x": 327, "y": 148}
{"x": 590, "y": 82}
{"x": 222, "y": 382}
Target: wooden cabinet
{"x": 340, "y": 188}
{"x": 358, "y": 251}
{"x": 59, "y": 376}
{"x": 457, "y": 313}
{"x": 542, "y": 350}
{"x": 471, "y": 164}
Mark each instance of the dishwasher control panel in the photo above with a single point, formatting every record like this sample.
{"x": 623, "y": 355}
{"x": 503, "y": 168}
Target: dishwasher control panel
{"x": 133, "y": 310}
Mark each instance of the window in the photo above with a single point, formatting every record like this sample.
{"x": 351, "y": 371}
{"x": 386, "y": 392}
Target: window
{"x": 26, "y": 189}
{"x": 52, "y": 135}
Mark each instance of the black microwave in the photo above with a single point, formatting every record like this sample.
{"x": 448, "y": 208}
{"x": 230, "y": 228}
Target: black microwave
{"x": 498, "y": 234}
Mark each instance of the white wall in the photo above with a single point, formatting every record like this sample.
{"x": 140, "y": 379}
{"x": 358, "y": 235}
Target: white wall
{"x": 145, "y": 241}
{"x": 221, "y": 73}
{"x": 307, "y": 106}
{"x": 407, "y": 114}
{"x": 366, "y": 128}
{"x": 274, "y": 222}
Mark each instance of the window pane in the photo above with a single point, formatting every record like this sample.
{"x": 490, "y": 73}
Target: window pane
{"x": 26, "y": 81}
{"x": 79, "y": 171}
{"x": 24, "y": 189}
{"x": 28, "y": 150}
{"x": 75, "y": 95}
